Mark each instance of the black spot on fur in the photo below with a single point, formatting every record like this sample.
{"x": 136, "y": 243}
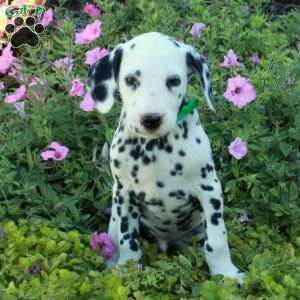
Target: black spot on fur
{"x": 176, "y": 210}
{"x": 160, "y": 184}
{"x": 215, "y": 218}
{"x": 209, "y": 168}
{"x": 134, "y": 215}
{"x": 99, "y": 93}
{"x": 185, "y": 129}
{"x": 119, "y": 184}
{"x": 116, "y": 163}
{"x": 151, "y": 144}
{"x": 181, "y": 153}
{"x": 136, "y": 152}
{"x": 141, "y": 196}
{"x": 207, "y": 187}
{"x": 133, "y": 245}
{"x": 198, "y": 141}
{"x": 122, "y": 148}
{"x": 169, "y": 148}
{"x": 124, "y": 224}
{"x": 178, "y": 167}
{"x": 176, "y": 136}
{"x": 203, "y": 172}
{"x": 209, "y": 248}
{"x": 134, "y": 234}
{"x": 179, "y": 194}
{"x": 117, "y": 62}
{"x": 126, "y": 236}
{"x": 173, "y": 173}
{"x": 194, "y": 63}
{"x": 132, "y": 46}
{"x": 119, "y": 211}
{"x": 146, "y": 160}
{"x": 103, "y": 70}
{"x": 121, "y": 199}
{"x": 216, "y": 203}
{"x": 128, "y": 141}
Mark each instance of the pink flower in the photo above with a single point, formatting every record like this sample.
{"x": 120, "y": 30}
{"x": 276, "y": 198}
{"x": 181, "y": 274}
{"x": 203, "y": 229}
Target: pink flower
{"x": 88, "y": 103}
{"x": 89, "y": 34}
{"x": 2, "y": 86}
{"x": 94, "y": 55}
{"x": 197, "y": 29}
{"x": 91, "y": 9}
{"x": 290, "y": 81}
{"x": 15, "y": 71}
{"x": 238, "y": 148}
{"x": 64, "y": 63}
{"x": 255, "y": 59}
{"x": 77, "y": 88}
{"x": 47, "y": 17}
{"x": 6, "y": 59}
{"x": 244, "y": 219}
{"x": 231, "y": 60}
{"x": 37, "y": 81}
{"x": 19, "y": 94}
{"x": 103, "y": 241}
{"x": 239, "y": 91}
{"x": 55, "y": 151}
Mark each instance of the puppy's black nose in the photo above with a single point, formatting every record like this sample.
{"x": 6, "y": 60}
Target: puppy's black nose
{"x": 151, "y": 121}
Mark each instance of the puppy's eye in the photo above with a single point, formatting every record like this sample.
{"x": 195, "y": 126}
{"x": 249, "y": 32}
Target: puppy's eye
{"x": 131, "y": 81}
{"x": 173, "y": 81}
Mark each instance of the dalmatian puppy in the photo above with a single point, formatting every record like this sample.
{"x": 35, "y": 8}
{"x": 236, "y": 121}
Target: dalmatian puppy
{"x": 163, "y": 170}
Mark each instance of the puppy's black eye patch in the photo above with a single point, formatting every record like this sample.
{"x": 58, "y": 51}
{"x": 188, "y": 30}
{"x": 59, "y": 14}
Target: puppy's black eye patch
{"x": 173, "y": 81}
{"x": 132, "y": 81}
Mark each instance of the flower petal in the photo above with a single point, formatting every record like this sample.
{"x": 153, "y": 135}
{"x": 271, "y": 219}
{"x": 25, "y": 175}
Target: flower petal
{"x": 238, "y": 148}
{"x": 88, "y": 104}
{"x": 91, "y": 9}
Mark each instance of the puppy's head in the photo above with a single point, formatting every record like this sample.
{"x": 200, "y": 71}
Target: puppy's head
{"x": 150, "y": 74}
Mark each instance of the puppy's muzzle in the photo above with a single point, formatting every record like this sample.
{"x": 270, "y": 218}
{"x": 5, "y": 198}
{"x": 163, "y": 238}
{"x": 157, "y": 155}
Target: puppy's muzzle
{"x": 151, "y": 121}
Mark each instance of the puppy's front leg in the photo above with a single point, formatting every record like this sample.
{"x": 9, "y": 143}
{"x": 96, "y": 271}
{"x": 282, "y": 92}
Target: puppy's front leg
{"x": 124, "y": 226}
{"x": 216, "y": 248}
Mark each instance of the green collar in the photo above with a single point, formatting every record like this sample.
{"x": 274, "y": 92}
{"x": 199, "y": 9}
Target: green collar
{"x": 187, "y": 108}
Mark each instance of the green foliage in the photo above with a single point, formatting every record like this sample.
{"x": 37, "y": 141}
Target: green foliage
{"x": 69, "y": 269}
{"x": 73, "y": 193}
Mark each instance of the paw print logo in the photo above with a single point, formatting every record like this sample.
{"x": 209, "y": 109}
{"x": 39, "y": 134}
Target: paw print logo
{"x": 24, "y": 32}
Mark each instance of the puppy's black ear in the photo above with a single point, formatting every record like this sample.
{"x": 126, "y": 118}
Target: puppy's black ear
{"x": 197, "y": 63}
{"x": 103, "y": 80}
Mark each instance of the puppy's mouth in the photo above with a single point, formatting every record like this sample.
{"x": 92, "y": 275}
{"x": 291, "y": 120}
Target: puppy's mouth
{"x": 150, "y": 134}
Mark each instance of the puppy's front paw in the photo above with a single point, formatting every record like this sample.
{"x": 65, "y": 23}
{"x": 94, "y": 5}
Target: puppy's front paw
{"x": 231, "y": 272}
